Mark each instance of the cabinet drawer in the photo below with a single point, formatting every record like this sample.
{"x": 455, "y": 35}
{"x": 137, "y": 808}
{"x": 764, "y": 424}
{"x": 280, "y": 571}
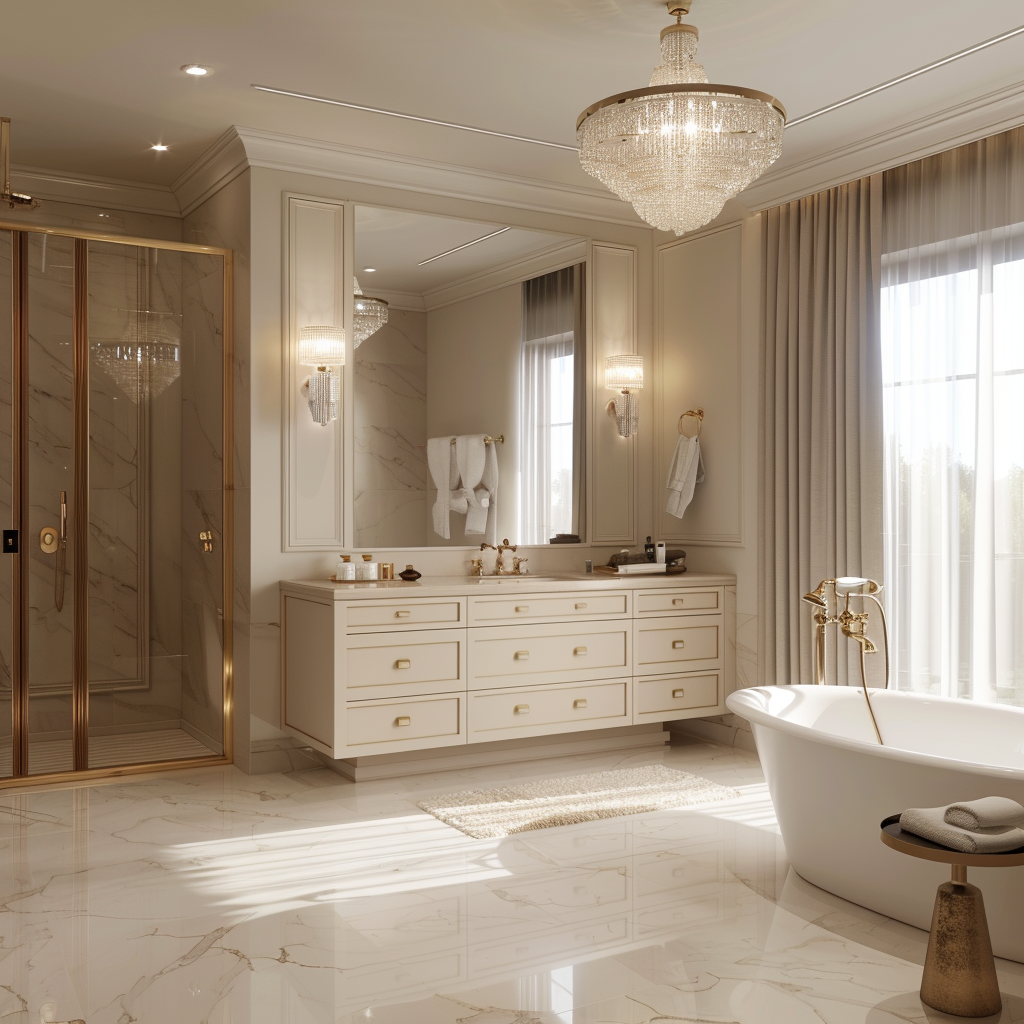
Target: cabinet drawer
{"x": 416, "y": 613}
{"x": 664, "y": 645}
{"x": 488, "y": 611}
{"x": 678, "y": 602}
{"x": 405, "y": 665}
{"x": 384, "y": 727}
{"x": 500, "y": 714}
{"x": 514, "y": 655}
{"x": 663, "y": 698}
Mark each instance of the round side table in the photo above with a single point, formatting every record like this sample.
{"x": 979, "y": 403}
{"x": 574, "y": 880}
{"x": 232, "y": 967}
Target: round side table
{"x": 959, "y": 969}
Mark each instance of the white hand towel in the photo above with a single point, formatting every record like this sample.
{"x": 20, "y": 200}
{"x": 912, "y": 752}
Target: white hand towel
{"x": 930, "y": 823}
{"x": 488, "y": 495}
{"x": 471, "y": 454}
{"x": 444, "y": 471}
{"x": 686, "y": 470}
{"x": 988, "y": 812}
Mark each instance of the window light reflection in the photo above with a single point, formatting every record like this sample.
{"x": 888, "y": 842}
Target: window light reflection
{"x": 272, "y": 872}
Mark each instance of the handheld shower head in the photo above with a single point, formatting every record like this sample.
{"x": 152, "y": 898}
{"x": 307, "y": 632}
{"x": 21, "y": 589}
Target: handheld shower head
{"x": 847, "y": 585}
{"x": 817, "y": 596}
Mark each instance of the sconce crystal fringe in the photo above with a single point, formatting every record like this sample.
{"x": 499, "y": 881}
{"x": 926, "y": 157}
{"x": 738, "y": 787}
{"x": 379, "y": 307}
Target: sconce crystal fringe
{"x": 322, "y": 347}
{"x": 624, "y": 373}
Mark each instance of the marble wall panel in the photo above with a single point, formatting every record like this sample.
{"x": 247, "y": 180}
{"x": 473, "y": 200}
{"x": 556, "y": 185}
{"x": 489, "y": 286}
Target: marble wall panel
{"x": 391, "y": 432}
{"x": 6, "y": 496}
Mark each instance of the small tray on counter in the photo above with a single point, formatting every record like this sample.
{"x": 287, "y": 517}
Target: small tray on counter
{"x": 613, "y": 570}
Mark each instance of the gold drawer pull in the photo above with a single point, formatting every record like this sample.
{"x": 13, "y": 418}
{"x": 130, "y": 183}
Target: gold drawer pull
{"x": 579, "y": 650}
{"x": 403, "y": 663}
{"x": 402, "y": 614}
{"x": 678, "y": 645}
{"x": 679, "y": 600}
{"x": 579, "y": 704}
{"x": 678, "y": 693}
{"x": 580, "y": 605}
{"x": 402, "y": 720}
{"x": 522, "y": 655}
{"x": 522, "y": 607}
{"x": 521, "y": 709}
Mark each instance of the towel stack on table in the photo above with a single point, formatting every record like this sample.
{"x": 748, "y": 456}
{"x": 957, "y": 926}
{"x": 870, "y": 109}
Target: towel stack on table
{"x": 993, "y": 824}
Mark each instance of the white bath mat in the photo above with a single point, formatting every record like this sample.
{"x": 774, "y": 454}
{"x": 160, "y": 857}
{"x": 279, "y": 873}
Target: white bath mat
{"x": 492, "y": 813}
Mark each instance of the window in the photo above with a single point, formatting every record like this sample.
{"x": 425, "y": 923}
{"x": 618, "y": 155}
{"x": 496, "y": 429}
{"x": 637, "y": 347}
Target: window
{"x": 953, "y": 376}
{"x": 551, "y": 421}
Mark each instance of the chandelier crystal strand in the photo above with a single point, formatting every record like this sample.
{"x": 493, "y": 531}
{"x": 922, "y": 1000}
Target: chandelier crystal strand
{"x": 147, "y": 357}
{"x": 679, "y": 149}
{"x": 369, "y": 315}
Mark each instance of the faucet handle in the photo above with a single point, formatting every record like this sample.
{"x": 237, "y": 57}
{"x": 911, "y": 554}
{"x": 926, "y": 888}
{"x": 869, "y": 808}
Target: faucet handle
{"x": 478, "y": 567}
{"x": 517, "y": 562}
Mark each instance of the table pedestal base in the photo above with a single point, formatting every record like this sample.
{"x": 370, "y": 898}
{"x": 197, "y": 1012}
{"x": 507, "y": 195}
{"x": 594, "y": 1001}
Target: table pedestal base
{"x": 959, "y": 969}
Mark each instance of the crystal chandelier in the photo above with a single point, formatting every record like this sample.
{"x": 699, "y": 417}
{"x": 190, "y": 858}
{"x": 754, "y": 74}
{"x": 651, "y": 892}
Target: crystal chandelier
{"x": 680, "y": 148}
{"x": 368, "y": 317}
{"x": 146, "y": 359}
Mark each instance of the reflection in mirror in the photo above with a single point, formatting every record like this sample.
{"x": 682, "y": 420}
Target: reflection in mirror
{"x": 483, "y": 339}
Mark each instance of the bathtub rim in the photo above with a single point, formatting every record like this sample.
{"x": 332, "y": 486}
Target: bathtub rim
{"x": 743, "y": 703}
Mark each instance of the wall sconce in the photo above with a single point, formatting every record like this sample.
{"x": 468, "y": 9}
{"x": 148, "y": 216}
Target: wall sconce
{"x": 626, "y": 374}
{"x": 324, "y": 348}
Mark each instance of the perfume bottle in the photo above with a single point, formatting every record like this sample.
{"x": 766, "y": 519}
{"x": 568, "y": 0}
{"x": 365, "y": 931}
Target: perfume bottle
{"x": 649, "y": 550}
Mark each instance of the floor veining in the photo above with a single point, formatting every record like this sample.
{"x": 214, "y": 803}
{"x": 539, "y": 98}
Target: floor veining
{"x": 211, "y": 897}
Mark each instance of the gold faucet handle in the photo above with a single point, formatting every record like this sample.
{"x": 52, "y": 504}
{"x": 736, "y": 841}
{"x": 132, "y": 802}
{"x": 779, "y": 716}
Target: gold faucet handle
{"x": 517, "y": 562}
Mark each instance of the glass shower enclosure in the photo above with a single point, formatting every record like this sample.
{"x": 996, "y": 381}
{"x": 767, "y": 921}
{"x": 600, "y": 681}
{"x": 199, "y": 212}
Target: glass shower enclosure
{"x": 115, "y": 504}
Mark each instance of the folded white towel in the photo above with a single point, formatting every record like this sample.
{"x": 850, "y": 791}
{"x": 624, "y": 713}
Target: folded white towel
{"x": 471, "y": 454}
{"x": 930, "y": 823}
{"x": 444, "y": 471}
{"x": 487, "y": 495}
{"x": 686, "y": 470}
{"x": 988, "y": 812}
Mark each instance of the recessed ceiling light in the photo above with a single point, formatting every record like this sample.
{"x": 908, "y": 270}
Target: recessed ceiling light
{"x": 369, "y": 270}
{"x": 160, "y": 147}
{"x": 198, "y": 70}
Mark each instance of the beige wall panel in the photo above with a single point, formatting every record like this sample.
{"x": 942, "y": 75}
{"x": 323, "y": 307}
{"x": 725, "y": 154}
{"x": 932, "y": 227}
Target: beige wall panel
{"x": 611, "y": 330}
{"x": 314, "y": 491}
{"x": 698, "y": 338}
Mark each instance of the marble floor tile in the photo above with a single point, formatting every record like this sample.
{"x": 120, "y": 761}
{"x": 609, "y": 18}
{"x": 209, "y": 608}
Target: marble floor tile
{"x": 211, "y": 897}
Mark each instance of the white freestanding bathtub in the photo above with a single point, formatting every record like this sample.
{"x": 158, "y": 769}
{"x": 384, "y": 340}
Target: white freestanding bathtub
{"x": 832, "y": 784}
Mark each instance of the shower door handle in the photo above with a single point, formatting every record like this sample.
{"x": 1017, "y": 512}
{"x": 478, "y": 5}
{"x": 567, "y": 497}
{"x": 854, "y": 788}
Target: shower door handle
{"x": 63, "y": 517}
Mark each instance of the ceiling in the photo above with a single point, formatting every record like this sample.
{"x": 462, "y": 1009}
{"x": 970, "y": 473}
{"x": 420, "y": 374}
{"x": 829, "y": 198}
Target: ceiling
{"x": 92, "y": 86}
{"x": 394, "y": 242}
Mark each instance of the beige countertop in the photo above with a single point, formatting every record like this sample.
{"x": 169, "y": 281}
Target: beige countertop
{"x": 465, "y": 586}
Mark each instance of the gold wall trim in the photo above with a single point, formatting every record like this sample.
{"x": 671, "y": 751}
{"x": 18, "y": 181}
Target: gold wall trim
{"x": 228, "y": 512}
{"x": 58, "y": 779}
{"x": 80, "y": 509}
{"x": 99, "y": 236}
{"x": 19, "y": 503}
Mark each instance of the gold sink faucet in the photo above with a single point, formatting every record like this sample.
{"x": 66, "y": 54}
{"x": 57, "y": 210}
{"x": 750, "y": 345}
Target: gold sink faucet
{"x": 499, "y": 563}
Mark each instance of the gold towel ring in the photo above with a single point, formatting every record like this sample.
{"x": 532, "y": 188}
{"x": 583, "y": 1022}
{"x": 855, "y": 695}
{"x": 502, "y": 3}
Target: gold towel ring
{"x": 697, "y": 414}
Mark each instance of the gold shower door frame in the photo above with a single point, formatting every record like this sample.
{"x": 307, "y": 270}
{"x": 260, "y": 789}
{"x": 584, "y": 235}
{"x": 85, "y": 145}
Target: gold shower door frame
{"x": 80, "y": 575}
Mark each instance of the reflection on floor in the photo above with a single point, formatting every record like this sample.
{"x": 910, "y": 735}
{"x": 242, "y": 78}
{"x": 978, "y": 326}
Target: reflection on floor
{"x": 209, "y": 896}
{"x": 46, "y": 756}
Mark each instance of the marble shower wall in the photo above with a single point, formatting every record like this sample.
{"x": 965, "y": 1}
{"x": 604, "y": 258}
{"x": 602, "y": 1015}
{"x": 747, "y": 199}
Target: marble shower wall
{"x": 201, "y": 495}
{"x": 6, "y": 510}
{"x": 391, "y": 433}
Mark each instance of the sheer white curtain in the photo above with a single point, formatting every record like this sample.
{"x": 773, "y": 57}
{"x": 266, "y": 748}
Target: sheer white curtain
{"x": 547, "y": 407}
{"x": 953, "y": 381}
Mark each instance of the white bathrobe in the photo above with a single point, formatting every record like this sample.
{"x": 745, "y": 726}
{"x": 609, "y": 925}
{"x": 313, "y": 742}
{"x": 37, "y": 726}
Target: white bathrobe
{"x": 478, "y": 471}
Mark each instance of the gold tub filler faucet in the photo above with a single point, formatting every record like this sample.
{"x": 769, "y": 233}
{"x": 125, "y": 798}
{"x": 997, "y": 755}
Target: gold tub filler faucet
{"x": 852, "y": 624}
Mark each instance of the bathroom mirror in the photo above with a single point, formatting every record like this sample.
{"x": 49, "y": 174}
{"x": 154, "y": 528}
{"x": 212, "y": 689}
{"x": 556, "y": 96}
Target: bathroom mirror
{"x": 467, "y": 328}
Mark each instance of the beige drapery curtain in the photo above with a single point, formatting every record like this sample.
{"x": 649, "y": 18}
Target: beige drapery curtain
{"x": 821, "y": 416}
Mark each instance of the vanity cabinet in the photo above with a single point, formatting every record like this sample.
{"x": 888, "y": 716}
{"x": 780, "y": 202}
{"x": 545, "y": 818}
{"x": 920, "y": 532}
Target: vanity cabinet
{"x": 393, "y": 667}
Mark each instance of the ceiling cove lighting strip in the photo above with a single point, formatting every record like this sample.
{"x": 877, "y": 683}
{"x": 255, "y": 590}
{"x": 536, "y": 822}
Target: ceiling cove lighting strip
{"x": 459, "y": 248}
{"x": 910, "y": 74}
{"x": 412, "y": 117}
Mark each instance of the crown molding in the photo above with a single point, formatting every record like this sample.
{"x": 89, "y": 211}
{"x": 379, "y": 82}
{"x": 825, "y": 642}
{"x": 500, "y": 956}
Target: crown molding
{"x": 954, "y": 126}
{"x": 348, "y": 163}
{"x": 218, "y": 166}
{"x": 555, "y": 257}
{"x": 410, "y": 301}
{"x": 90, "y": 190}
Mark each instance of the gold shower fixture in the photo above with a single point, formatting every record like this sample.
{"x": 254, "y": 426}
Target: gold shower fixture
{"x": 12, "y": 199}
